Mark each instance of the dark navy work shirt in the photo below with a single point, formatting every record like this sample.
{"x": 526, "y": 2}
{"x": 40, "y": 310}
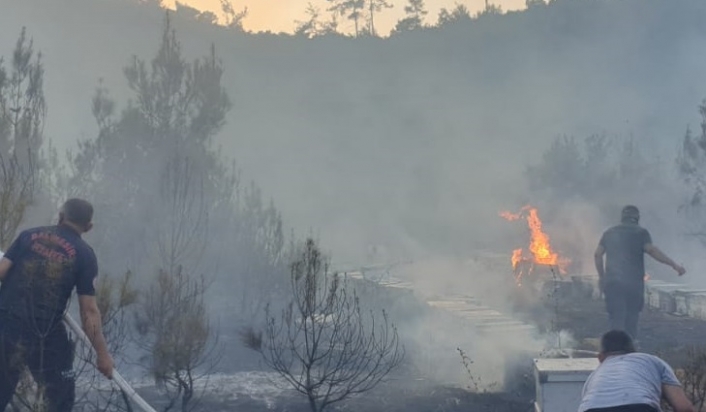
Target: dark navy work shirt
{"x": 47, "y": 264}
{"x": 624, "y": 246}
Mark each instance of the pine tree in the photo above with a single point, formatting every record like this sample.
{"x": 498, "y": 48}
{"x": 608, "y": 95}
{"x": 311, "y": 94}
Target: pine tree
{"x": 415, "y": 12}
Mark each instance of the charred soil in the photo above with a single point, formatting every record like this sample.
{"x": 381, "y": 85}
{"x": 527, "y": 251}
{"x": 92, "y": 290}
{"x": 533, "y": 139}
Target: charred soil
{"x": 660, "y": 333}
{"x": 393, "y": 396}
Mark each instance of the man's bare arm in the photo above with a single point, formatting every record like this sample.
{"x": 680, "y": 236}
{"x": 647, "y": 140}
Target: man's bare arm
{"x": 5, "y": 265}
{"x": 661, "y": 257}
{"x": 677, "y": 399}
{"x": 598, "y": 259}
{"x": 92, "y": 325}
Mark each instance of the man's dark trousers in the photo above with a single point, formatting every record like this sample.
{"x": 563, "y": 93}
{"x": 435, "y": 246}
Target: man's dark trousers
{"x": 45, "y": 349}
{"x": 627, "y": 408}
{"x": 624, "y": 302}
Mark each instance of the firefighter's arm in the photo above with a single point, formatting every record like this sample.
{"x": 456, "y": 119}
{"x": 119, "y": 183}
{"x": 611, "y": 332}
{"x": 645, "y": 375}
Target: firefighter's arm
{"x": 92, "y": 325}
{"x": 5, "y": 265}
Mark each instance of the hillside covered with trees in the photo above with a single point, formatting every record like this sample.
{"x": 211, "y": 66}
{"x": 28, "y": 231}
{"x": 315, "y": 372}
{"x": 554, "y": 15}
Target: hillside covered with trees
{"x": 412, "y": 141}
{"x": 211, "y": 152}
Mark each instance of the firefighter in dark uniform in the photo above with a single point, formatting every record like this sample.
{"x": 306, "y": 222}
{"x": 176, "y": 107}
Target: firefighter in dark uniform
{"x": 39, "y": 272}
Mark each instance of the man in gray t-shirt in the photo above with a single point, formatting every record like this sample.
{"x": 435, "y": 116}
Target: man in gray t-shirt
{"x": 622, "y": 278}
{"x": 627, "y": 381}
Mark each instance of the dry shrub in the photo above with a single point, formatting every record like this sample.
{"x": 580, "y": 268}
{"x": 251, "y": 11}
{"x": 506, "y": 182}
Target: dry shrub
{"x": 693, "y": 375}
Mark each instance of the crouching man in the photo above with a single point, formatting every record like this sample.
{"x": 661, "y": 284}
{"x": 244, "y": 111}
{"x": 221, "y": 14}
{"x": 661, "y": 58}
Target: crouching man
{"x": 627, "y": 381}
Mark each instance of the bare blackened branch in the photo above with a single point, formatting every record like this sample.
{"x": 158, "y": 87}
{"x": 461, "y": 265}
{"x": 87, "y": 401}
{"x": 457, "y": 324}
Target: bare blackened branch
{"x": 693, "y": 376}
{"x": 322, "y": 344}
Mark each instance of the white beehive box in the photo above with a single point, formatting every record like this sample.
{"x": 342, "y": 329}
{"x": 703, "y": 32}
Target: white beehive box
{"x": 667, "y": 297}
{"x": 651, "y": 297}
{"x": 696, "y": 305}
{"x": 559, "y": 383}
{"x": 660, "y": 295}
{"x": 681, "y": 306}
{"x": 682, "y": 298}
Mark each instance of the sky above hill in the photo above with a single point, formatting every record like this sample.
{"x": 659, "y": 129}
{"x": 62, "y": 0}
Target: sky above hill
{"x": 281, "y": 15}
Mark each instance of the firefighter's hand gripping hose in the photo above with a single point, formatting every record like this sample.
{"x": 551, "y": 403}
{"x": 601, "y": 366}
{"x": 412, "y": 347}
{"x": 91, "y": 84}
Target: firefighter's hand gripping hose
{"x": 117, "y": 378}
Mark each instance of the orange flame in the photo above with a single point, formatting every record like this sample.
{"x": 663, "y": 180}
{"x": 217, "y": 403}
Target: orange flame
{"x": 514, "y": 216}
{"x": 539, "y": 247}
{"x": 521, "y": 266}
{"x": 516, "y": 258}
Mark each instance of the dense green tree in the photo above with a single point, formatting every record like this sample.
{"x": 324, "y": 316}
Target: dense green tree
{"x": 375, "y": 7}
{"x": 159, "y": 148}
{"x": 233, "y": 19}
{"x": 351, "y": 10}
{"x": 163, "y": 192}
{"x": 692, "y": 170}
{"x": 22, "y": 117}
{"x": 459, "y": 13}
{"x": 534, "y": 3}
{"x": 415, "y": 11}
{"x": 313, "y": 26}
{"x": 600, "y": 171}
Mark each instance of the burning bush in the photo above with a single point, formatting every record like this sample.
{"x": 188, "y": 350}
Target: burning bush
{"x": 540, "y": 250}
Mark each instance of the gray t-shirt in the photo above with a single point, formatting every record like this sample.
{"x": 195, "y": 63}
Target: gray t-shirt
{"x": 634, "y": 378}
{"x": 624, "y": 246}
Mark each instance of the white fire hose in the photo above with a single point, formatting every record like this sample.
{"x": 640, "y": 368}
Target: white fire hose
{"x": 117, "y": 378}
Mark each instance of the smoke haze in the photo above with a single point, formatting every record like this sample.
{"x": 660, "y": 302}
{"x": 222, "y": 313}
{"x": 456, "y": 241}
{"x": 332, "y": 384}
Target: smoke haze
{"x": 419, "y": 139}
{"x": 405, "y": 149}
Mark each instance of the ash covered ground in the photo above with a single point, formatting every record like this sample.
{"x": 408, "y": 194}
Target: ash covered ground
{"x": 582, "y": 320}
{"x": 660, "y": 333}
{"x": 393, "y": 396}
{"x": 414, "y": 387}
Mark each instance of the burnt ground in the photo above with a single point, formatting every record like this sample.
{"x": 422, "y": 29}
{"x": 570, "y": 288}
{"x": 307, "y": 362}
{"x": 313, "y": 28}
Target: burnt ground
{"x": 660, "y": 333}
{"x": 663, "y": 334}
{"x": 394, "y": 396}
{"x": 585, "y": 318}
